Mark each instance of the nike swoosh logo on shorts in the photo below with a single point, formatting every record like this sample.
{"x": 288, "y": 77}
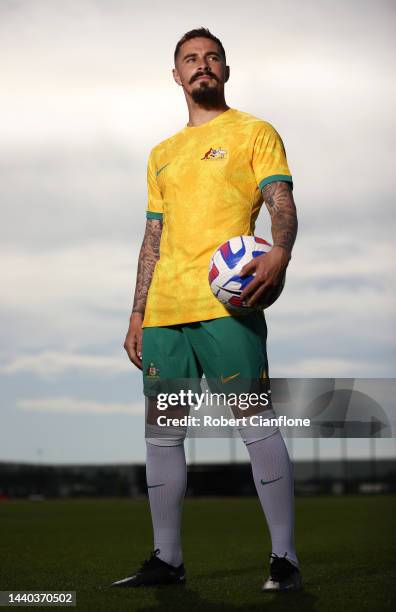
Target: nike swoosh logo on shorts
{"x": 153, "y": 486}
{"x": 225, "y": 379}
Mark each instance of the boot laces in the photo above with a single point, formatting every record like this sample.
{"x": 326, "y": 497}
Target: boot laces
{"x": 280, "y": 567}
{"x": 151, "y": 561}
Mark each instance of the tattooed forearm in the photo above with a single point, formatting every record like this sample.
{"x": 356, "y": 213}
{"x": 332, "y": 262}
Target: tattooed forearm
{"x": 148, "y": 257}
{"x": 278, "y": 198}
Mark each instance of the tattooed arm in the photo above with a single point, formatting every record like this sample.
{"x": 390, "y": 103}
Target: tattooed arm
{"x": 278, "y": 198}
{"x": 268, "y": 270}
{"x": 148, "y": 257}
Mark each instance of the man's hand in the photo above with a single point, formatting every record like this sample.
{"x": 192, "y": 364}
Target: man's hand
{"x": 268, "y": 270}
{"x": 133, "y": 340}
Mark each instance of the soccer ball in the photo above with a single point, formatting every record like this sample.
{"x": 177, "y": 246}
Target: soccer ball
{"x": 224, "y": 268}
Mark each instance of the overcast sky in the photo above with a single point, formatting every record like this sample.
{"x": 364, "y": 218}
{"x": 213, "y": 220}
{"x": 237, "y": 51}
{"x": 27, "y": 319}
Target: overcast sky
{"x": 86, "y": 93}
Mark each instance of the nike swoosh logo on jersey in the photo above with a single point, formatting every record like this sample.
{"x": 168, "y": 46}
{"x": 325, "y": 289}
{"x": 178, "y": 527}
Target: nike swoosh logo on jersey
{"x": 264, "y": 482}
{"x": 153, "y": 486}
{"x": 225, "y": 379}
{"x": 158, "y": 172}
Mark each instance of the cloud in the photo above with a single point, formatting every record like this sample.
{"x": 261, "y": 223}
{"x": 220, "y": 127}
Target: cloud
{"x": 69, "y": 309}
{"x": 87, "y": 91}
{"x": 67, "y": 299}
{"x": 49, "y": 364}
{"x": 72, "y": 405}
{"x": 319, "y": 367}
{"x": 78, "y": 121}
{"x": 57, "y": 198}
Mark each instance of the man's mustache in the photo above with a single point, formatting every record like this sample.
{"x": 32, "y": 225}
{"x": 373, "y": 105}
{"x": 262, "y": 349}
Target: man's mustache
{"x": 199, "y": 74}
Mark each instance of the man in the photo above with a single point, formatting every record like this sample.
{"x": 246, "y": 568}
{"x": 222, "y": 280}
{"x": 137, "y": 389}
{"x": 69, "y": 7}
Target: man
{"x": 206, "y": 184}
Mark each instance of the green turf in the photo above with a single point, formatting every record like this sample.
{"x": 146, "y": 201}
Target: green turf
{"x": 345, "y": 545}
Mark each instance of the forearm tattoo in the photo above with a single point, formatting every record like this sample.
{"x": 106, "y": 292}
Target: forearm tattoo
{"x": 148, "y": 257}
{"x": 278, "y": 198}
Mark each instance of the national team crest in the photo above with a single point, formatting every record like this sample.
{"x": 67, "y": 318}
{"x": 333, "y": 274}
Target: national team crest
{"x": 152, "y": 371}
{"x": 215, "y": 154}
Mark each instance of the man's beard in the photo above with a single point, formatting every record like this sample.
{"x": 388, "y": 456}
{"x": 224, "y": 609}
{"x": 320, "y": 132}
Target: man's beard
{"x": 206, "y": 96}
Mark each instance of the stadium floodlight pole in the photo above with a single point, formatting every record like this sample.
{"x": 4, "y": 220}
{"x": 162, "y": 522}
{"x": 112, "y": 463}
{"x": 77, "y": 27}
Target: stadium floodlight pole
{"x": 290, "y": 445}
{"x": 373, "y": 457}
{"x": 316, "y": 456}
{"x": 192, "y": 450}
{"x": 344, "y": 457}
{"x": 232, "y": 447}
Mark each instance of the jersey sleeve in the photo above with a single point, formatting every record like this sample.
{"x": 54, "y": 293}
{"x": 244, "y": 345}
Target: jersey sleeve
{"x": 155, "y": 205}
{"x": 269, "y": 157}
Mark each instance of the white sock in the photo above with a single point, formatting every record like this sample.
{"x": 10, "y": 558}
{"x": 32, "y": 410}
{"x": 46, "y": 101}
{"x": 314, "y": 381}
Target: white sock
{"x": 270, "y": 462}
{"x": 166, "y": 475}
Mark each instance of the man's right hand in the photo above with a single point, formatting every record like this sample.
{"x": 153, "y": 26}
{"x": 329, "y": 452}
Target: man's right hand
{"x": 133, "y": 339}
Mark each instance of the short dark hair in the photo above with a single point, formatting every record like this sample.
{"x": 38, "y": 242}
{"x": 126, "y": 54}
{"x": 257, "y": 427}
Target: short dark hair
{"x": 199, "y": 33}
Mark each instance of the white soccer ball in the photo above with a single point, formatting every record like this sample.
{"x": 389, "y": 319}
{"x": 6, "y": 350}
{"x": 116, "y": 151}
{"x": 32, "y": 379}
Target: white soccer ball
{"x": 224, "y": 272}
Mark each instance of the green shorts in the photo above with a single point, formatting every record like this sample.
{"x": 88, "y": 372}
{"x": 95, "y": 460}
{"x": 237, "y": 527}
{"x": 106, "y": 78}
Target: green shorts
{"x": 229, "y": 351}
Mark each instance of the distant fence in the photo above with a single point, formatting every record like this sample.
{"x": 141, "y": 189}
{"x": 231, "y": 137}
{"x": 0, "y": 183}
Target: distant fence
{"x": 19, "y": 480}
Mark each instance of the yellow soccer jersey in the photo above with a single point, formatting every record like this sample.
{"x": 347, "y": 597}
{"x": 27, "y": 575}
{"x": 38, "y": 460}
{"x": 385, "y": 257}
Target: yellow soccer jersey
{"x": 205, "y": 184}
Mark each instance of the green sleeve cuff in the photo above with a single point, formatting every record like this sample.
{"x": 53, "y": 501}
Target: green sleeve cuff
{"x": 154, "y": 215}
{"x": 276, "y": 177}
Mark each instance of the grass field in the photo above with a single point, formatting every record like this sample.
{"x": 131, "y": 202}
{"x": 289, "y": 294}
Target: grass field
{"x": 346, "y": 546}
